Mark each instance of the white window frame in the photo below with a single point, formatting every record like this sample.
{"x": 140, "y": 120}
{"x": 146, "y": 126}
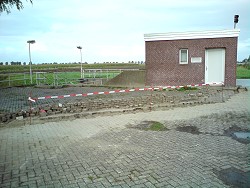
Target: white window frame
{"x": 180, "y": 52}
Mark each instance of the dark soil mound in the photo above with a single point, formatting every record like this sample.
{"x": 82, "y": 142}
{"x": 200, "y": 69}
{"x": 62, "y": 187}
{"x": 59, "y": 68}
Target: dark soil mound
{"x": 128, "y": 79}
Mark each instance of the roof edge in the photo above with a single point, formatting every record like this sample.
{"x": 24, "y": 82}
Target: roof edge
{"x": 192, "y": 35}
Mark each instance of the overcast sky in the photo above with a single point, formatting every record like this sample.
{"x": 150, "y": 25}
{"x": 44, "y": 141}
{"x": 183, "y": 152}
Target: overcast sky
{"x": 110, "y": 30}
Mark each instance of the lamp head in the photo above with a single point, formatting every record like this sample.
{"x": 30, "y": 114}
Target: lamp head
{"x": 31, "y": 41}
{"x": 236, "y": 18}
{"x": 79, "y": 47}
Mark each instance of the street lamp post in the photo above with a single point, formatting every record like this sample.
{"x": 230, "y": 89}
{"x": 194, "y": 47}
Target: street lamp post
{"x": 80, "y": 48}
{"x": 30, "y": 42}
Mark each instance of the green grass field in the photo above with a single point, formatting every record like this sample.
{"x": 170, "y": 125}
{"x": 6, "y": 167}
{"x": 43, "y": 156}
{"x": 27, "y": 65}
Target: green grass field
{"x": 66, "y": 67}
{"x": 242, "y": 72}
{"x": 58, "y": 74}
{"x": 48, "y": 78}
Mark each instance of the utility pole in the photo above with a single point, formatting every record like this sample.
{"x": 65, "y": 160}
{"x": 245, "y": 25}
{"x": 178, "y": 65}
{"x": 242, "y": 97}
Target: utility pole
{"x": 30, "y": 42}
{"x": 80, "y": 48}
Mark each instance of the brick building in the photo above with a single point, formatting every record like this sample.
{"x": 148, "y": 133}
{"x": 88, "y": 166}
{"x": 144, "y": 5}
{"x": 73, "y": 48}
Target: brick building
{"x": 184, "y": 58}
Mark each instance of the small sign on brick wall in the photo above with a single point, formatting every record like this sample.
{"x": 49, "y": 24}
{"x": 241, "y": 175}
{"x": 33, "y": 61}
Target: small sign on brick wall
{"x": 196, "y": 59}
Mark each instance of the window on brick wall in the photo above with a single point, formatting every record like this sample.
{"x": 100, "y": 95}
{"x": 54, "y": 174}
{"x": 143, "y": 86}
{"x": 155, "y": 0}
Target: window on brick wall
{"x": 183, "y": 56}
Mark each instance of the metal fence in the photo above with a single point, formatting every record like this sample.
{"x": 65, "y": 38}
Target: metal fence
{"x": 14, "y": 79}
{"x": 89, "y": 77}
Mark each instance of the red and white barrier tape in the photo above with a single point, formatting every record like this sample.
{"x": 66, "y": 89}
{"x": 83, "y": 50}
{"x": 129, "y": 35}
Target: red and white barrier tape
{"x": 122, "y": 91}
{"x": 31, "y": 99}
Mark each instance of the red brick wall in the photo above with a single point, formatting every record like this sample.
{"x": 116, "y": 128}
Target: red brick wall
{"x": 162, "y": 61}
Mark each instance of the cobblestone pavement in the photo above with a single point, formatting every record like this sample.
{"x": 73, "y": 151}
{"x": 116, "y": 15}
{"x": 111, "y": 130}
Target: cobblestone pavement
{"x": 16, "y": 98}
{"x": 105, "y": 152}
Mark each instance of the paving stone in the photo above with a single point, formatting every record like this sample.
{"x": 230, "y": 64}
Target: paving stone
{"x": 104, "y": 152}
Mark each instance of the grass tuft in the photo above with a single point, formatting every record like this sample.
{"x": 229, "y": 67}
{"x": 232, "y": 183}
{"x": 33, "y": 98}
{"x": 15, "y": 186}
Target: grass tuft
{"x": 156, "y": 126}
{"x": 185, "y": 88}
{"x": 91, "y": 178}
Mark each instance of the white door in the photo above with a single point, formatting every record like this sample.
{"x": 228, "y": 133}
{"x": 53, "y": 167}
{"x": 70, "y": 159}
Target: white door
{"x": 215, "y": 65}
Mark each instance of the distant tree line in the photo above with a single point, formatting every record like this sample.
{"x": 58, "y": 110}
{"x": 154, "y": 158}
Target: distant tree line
{"x": 245, "y": 62}
{"x": 12, "y": 63}
{"x": 55, "y": 63}
{"x": 130, "y": 62}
